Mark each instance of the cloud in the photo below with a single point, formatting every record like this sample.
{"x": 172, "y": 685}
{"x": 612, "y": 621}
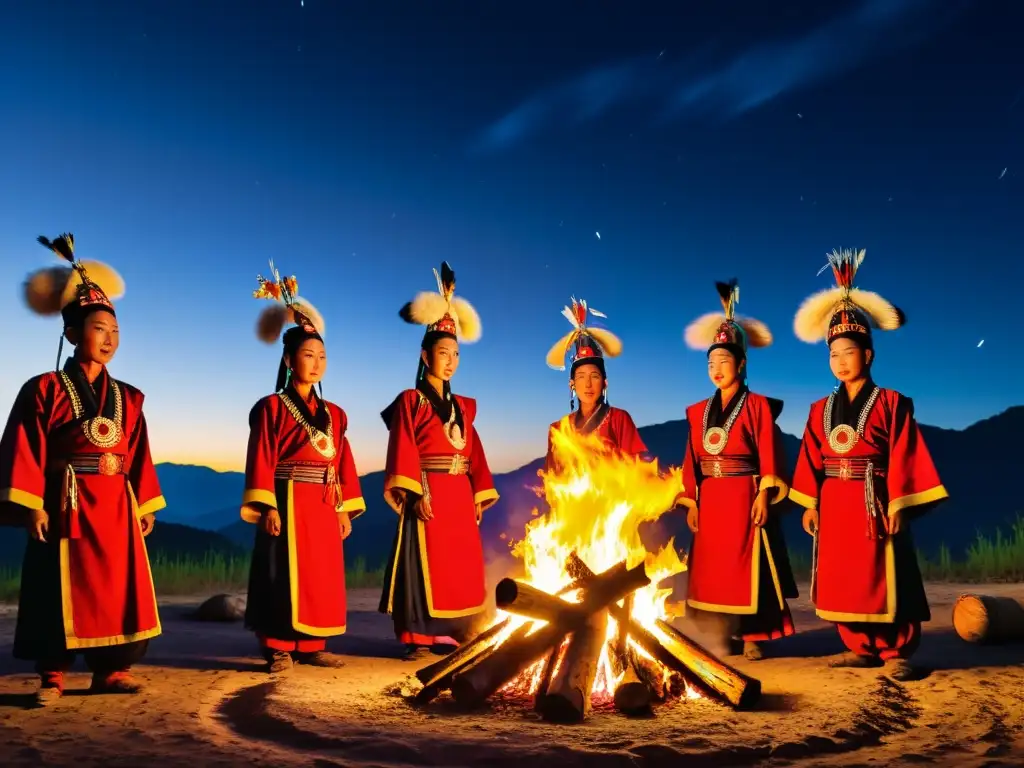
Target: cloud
{"x": 733, "y": 85}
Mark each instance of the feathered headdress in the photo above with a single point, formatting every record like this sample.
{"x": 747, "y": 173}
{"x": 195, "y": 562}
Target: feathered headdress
{"x": 588, "y": 344}
{"x": 716, "y": 330}
{"x": 288, "y": 306}
{"x": 443, "y": 312}
{"x": 844, "y": 311}
{"x": 74, "y": 289}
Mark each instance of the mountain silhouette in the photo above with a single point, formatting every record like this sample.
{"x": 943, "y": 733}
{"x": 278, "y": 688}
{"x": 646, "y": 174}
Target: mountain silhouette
{"x": 974, "y": 463}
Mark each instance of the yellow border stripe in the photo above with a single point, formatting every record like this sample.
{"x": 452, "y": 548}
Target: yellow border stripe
{"x": 293, "y": 575}
{"x": 916, "y": 499}
{"x": 356, "y": 505}
{"x": 808, "y": 502}
{"x": 890, "y": 596}
{"x": 403, "y": 482}
{"x": 253, "y": 496}
{"x": 486, "y": 497}
{"x": 773, "y": 481}
{"x": 153, "y": 505}
{"x": 22, "y": 498}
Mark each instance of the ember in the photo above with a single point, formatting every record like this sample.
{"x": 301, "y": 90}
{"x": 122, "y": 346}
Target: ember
{"x": 588, "y": 622}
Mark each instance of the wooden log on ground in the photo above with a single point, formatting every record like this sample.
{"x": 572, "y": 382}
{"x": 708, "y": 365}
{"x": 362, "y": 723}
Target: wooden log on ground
{"x": 632, "y": 695}
{"x": 710, "y": 674}
{"x": 989, "y": 619}
{"x": 567, "y": 699}
{"x": 649, "y": 672}
{"x": 465, "y": 651}
{"x": 473, "y": 686}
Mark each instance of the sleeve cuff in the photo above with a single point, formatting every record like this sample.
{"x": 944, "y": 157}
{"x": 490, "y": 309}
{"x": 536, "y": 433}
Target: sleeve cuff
{"x": 486, "y": 498}
{"x": 916, "y": 499}
{"x": 773, "y": 481}
{"x": 252, "y": 496}
{"x": 353, "y": 507}
{"x": 22, "y": 498}
{"x": 151, "y": 507}
{"x": 809, "y": 502}
{"x": 403, "y": 482}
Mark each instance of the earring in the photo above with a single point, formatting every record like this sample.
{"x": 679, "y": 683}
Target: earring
{"x": 605, "y": 394}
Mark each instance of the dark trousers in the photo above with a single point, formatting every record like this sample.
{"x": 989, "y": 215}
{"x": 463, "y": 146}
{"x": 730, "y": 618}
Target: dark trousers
{"x": 101, "y": 661}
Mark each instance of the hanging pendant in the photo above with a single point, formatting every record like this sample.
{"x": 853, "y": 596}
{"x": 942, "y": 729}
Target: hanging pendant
{"x": 715, "y": 440}
{"x": 842, "y": 439}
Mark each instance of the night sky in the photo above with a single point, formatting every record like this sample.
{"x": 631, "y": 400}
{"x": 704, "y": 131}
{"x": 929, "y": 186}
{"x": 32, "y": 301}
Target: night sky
{"x": 360, "y": 143}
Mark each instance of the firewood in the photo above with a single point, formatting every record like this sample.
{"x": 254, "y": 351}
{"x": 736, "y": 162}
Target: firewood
{"x": 465, "y": 651}
{"x": 474, "y": 685}
{"x": 567, "y": 699}
{"x": 712, "y": 675}
{"x": 454, "y": 663}
{"x": 526, "y": 600}
{"x": 547, "y": 671}
{"x": 989, "y": 619}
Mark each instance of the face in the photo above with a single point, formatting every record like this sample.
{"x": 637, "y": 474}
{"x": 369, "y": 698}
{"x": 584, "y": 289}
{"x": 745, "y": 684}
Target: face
{"x": 848, "y": 361}
{"x": 442, "y": 360}
{"x": 588, "y": 383}
{"x": 97, "y": 339}
{"x": 309, "y": 363}
{"x": 723, "y": 369}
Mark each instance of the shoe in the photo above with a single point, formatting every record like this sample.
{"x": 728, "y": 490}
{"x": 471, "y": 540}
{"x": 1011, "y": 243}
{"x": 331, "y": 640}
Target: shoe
{"x": 752, "y": 651}
{"x": 114, "y": 682}
{"x": 850, "y": 660}
{"x": 902, "y": 671}
{"x": 280, "y": 661}
{"x": 51, "y": 688}
{"x": 322, "y": 659}
{"x": 417, "y": 653}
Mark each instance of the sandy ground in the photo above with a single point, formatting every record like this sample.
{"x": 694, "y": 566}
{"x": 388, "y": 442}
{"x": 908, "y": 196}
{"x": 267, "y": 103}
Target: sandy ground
{"x": 207, "y": 702}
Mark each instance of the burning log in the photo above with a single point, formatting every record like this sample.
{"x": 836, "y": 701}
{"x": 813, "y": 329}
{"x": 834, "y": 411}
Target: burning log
{"x": 632, "y": 695}
{"x": 459, "y": 660}
{"x": 567, "y": 699}
{"x": 682, "y": 655}
{"x": 550, "y": 662}
{"x": 525, "y": 600}
{"x": 474, "y": 685}
{"x": 472, "y": 649}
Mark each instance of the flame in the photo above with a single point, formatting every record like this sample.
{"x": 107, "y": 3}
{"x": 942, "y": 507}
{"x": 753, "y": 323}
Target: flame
{"x": 598, "y": 499}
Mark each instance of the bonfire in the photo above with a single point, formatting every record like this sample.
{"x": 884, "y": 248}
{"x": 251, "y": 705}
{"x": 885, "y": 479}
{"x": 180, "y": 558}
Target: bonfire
{"x": 589, "y": 622}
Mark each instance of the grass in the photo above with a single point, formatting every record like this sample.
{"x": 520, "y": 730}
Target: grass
{"x": 998, "y": 558}
{"x": 210, "y": 574}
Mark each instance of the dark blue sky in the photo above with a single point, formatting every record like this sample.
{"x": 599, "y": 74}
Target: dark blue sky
{"x": 360, "y": 143}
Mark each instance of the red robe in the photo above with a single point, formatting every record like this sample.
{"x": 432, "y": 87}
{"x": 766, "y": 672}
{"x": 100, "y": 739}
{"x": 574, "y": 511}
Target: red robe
{"x": 860, "y": 578}
{"x": 734, "y": 567}
{"x": 89, "y": 585}
{"x": 613, "y": 425}
{"x": 297, "y": 579}
{"x": 441, "y": 559}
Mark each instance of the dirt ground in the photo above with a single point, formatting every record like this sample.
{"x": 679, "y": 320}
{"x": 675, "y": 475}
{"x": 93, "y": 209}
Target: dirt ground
{"x": 208, "y": 702}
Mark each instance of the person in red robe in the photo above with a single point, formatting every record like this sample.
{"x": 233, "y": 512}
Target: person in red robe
{"x": 863, "y": 474}
{"x": 76, "y": 471}
{"x": 587, "y": 347}
{"x": 301, "y": 490}
{"x": 733, "y": 472}
{"x": 438, "y": 481}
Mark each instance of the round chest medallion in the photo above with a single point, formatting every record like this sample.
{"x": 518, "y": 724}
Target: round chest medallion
{"x": 102, "y": 432}
{"x": 715, "y": 440}
{"x": 842, "y": 438}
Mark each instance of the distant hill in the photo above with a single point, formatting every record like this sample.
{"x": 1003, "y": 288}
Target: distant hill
{"x": 167, "y": 540}
{"x": 977, "y": 466}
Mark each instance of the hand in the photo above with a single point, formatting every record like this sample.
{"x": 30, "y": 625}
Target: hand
{"x": 759, "y": 511}
{"x": 691, "y": 518}
{"x": 810, "y": 521}
{"x": 893, "y": 522}
{"x": 423, "y": 510}
{"x": 270, "y": 521}
{"x": 344, "y": 525}
{"x": 146, "y": 523}
{"x": 479, "y": 513}
{"x": 38, "y": 524}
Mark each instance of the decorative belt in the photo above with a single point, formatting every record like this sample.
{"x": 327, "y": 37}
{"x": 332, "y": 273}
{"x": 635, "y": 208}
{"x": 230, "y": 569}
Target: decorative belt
{"x": 314, "y": 474}
{"x": 728, "y": 466}
{"x": 300, "y": 472}
{"x": 453, "y": 464}
{"x": 90, "y": 464}
{"x": 862, "y": 468}
{"x": 854, "y": 468}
